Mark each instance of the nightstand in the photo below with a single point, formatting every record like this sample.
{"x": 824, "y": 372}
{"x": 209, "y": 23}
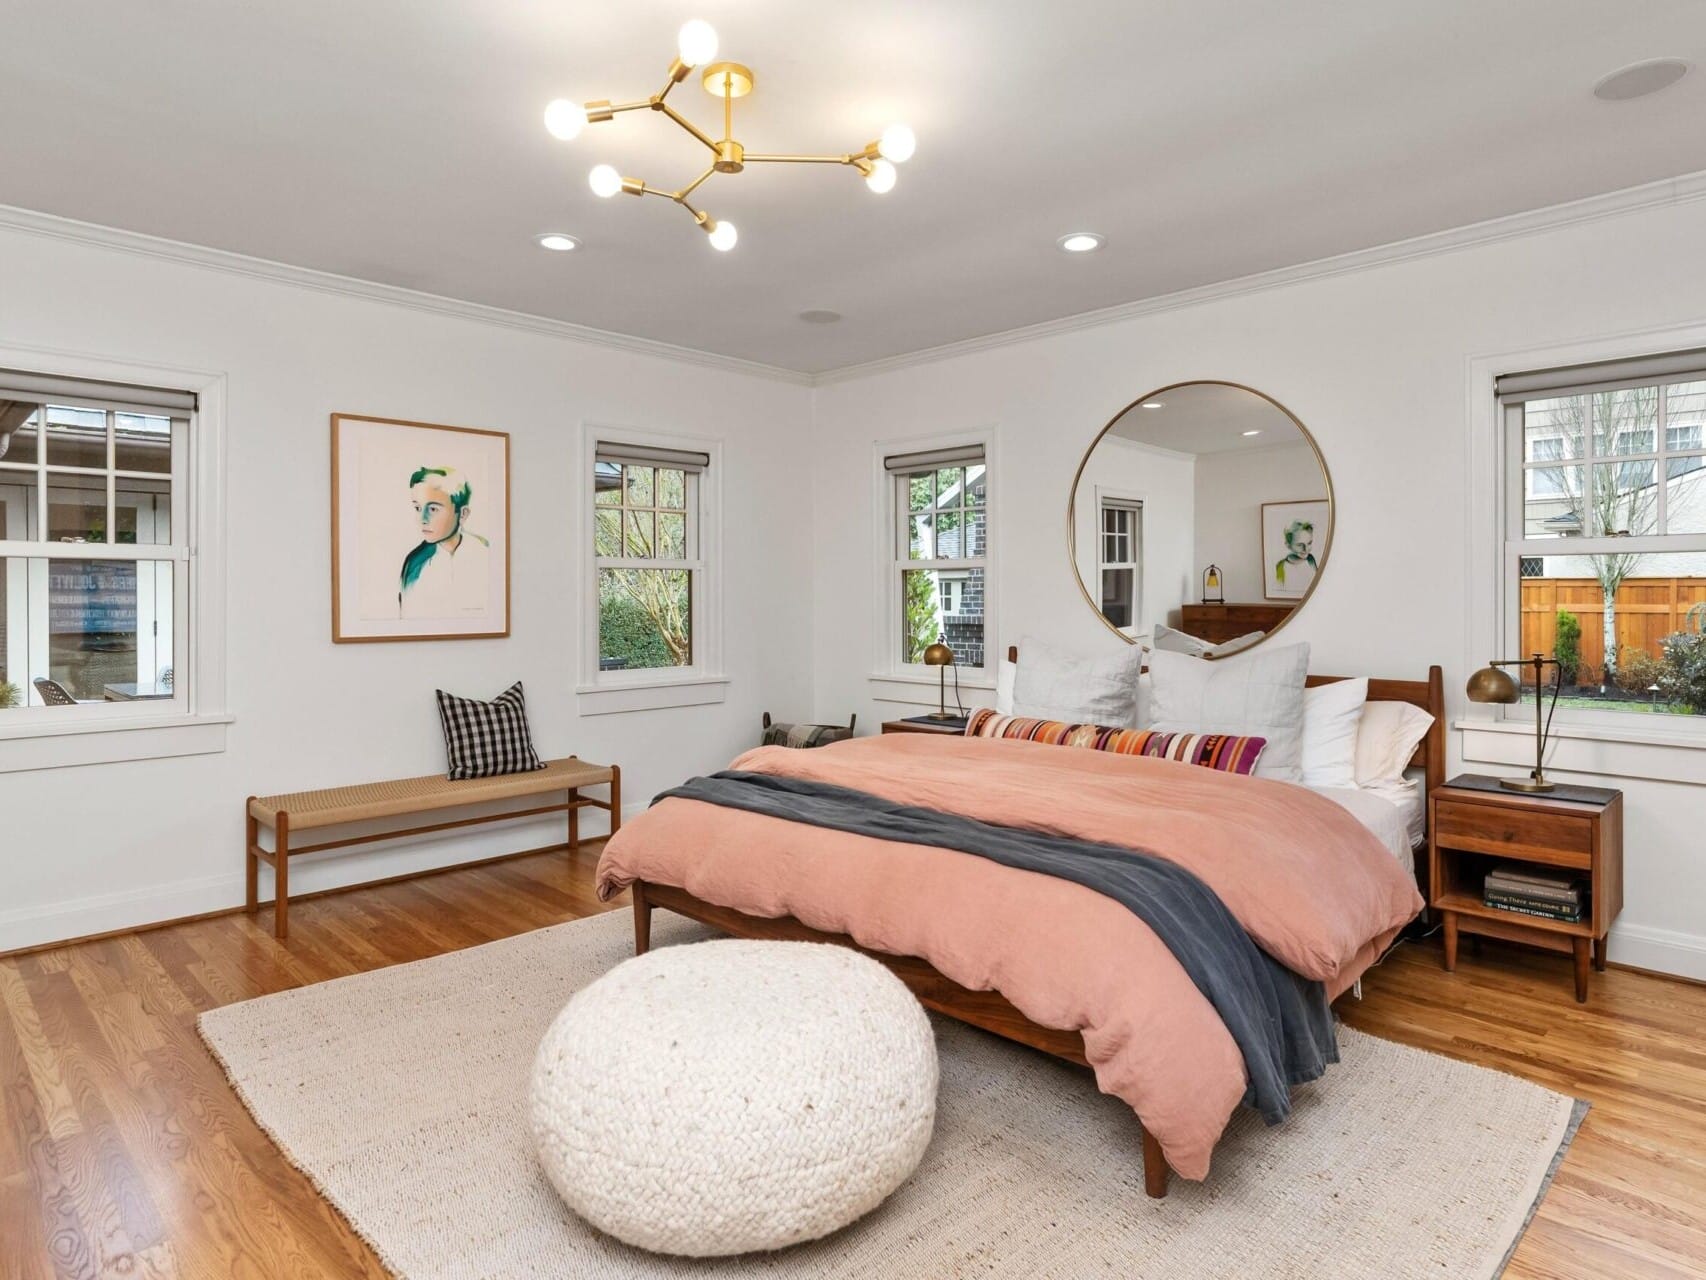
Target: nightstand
{"x": 954, "y": 728}
{"x": 1474, "y": 826}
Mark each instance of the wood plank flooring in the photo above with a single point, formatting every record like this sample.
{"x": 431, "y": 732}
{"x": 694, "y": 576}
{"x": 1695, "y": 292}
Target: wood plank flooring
{"x": 124, "y": 1152}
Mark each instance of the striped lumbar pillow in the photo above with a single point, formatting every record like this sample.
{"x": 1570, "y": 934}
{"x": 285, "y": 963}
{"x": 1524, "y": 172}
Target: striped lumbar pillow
{"x": 485, "y": 739}
{"x": 1220, "y": 751}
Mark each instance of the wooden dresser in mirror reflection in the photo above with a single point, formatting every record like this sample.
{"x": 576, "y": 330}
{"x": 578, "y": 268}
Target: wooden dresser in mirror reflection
{"x": 1218, "y": 623}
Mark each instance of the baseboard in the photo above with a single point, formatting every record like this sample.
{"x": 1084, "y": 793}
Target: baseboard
{"x": 1662, "y": 951}
{"x": 98, "y": 915}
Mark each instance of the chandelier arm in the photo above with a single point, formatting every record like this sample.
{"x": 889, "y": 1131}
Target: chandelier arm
{"x": 752, "y": 159}
{"x": 681, "y": 196}
{"x": 686, "y": 124}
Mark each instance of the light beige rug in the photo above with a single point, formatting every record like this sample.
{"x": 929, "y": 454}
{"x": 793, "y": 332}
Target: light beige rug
{"x": 402, "y": 1094}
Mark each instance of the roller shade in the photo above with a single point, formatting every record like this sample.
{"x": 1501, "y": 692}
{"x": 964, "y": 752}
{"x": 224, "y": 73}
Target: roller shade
{"x": 1607, "y": 375}
{"x": 44, "y": 388}
{"x": 640, "y": 455}
{"x": 931, "y": 459}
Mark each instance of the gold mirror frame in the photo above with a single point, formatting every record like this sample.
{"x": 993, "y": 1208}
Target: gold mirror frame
{"x": 1078, "y": 475}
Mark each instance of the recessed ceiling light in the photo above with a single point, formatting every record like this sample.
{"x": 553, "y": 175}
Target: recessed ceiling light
{"x": 1081, "y": 242}
{"x": 1639, "y": 79}
{"x": 818, "y": 316}
{"x": 558, "y": 242}
{"x": 1256, "y": 432}
{"x": 1153, "y": 404}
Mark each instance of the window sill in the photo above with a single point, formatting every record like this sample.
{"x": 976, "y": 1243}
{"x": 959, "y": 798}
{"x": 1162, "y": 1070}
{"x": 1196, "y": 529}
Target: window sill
{"x": 652, "y": 695}
{"x": 921, "y": 691}
{"x": 109, "y": 741}
{"x": 1589, "y": 750}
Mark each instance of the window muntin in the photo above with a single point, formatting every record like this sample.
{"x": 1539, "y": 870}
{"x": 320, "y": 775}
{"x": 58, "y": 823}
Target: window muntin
{"x": 646, "y": 550}
{"x": 94, "y": 555}
{"x": 941, "y": 560}
{"x": 1605, "y": 560}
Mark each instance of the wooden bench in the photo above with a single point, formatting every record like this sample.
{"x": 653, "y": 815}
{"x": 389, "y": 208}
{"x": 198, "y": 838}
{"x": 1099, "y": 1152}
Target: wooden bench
{"x": 404, "y": 797}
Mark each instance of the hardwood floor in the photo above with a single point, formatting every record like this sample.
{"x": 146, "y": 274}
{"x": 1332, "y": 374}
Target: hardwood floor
{"x": 124, "y": 1152}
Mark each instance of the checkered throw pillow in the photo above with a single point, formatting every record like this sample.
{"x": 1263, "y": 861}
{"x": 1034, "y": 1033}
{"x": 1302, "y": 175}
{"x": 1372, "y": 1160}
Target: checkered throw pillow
{"x": 484, "y": 739}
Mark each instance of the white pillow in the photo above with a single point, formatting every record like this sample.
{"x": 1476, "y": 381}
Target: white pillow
{"x": 1174, "y": 641}
{"x": 1005, "y": 674}
{"x": 1052, "y": 684}
{"x": 1332, "y": 713}
{"x": 1258, "y": 695}
{"x": 1237, "y": 644}
{"x": 1387, "y": 739}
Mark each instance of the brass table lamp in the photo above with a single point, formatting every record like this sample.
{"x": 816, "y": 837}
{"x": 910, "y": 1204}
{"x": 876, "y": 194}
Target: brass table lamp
{"x": 1491, "y": 684}
{"x": 941, "y": 657}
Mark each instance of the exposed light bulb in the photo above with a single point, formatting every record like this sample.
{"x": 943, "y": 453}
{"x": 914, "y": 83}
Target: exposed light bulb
{"x": 881, "y": 177}
{"x": 723, "y": 236}
{"x": 897, "y": 143}
{"x": 565, "y": 119}
{"x": 604, "y": 180}
{"x": 697, "y": 43}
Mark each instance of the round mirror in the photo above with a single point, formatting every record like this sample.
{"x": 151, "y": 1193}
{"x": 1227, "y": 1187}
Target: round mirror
{"x": 1200, "y": 519}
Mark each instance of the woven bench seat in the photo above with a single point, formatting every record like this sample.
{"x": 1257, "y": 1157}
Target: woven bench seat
{"x": 296, "y": 811}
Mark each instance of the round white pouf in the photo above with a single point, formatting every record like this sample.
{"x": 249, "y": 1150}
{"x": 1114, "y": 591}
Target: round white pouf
{"x": 731, "y": 1096}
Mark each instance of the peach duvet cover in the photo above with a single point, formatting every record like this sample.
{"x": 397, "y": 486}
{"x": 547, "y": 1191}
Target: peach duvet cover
{"x": 1310, "y": 884}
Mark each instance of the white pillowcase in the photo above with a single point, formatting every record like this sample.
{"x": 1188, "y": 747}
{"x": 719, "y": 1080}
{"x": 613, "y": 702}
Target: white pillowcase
{"x": 1332, "y": 714}
{"x": 1257, "y": 695}
{"x": 1387, "y": 739}
{"x": 1005, "y": 674}
{"x": 1052, "y": 684}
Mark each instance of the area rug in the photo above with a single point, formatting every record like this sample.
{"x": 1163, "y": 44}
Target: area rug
{"x": 402, "y": 1094}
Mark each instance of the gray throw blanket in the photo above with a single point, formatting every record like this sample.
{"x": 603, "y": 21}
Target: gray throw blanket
{"x": 1279, "y": 1020}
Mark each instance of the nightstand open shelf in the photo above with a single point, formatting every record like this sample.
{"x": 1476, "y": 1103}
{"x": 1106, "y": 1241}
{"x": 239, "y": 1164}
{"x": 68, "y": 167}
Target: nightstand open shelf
{"x": 1474, "y": 828}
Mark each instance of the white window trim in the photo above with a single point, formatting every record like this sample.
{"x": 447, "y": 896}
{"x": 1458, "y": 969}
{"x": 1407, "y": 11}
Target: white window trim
{"x": 703, "y": 683}
{"x": 191, "y": 725}
{"x": 912, "y": 683}
{"x": 1587, "y": 743}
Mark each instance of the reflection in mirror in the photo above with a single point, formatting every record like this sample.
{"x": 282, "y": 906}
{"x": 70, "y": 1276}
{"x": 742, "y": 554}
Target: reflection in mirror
{"x": 1200, "y": 519}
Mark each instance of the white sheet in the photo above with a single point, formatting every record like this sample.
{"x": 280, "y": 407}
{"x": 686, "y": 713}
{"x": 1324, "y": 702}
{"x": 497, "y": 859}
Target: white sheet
{"x": 1393, "y": 813}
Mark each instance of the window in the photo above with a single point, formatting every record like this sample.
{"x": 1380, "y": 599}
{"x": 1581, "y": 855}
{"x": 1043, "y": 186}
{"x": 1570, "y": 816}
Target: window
{"x": 1121, "y": 559}
{"x": 94, "y": 548}
{"x": 939, "y": 581}
{"x": 1605, "y": 552}
{"x": 647, "y": 543}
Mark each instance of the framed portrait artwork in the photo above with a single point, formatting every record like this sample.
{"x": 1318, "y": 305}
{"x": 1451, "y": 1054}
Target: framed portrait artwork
{"x": 420, "y": 531}
{"x": 1294, "y": 542}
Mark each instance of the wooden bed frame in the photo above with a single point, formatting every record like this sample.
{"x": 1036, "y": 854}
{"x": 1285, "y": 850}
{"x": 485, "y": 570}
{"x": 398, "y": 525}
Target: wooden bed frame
{"x": 990, "y": 1010}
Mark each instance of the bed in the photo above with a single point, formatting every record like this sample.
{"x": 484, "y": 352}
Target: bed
{"x": 1040, "y": 961}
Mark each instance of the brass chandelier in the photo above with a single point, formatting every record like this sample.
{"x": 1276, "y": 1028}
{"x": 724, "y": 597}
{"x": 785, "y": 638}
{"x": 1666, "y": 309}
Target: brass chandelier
{"x": 697, "y": 46}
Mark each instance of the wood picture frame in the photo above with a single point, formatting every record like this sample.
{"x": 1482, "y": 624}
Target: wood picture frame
{"x": 453, "y": 583}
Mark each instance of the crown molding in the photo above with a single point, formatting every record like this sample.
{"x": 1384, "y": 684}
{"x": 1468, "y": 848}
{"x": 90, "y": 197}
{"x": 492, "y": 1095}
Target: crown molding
{"x": 1611, "y": 204}
{"x": 54, "y": 227}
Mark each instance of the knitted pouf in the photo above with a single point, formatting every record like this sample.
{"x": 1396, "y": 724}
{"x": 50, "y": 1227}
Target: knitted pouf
{"x": 725, "y": 1097}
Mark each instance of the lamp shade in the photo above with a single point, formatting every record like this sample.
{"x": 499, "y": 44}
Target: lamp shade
{"x": 1490, "y": 684}
{"x": 938, "y": 655}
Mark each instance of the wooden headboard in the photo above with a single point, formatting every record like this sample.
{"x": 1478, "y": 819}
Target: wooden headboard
{"x": 1428, "y": 694}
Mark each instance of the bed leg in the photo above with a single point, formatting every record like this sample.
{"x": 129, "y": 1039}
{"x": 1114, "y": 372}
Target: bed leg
{"x": 1155, "y": 1170}
{"x": 642, "y": 919}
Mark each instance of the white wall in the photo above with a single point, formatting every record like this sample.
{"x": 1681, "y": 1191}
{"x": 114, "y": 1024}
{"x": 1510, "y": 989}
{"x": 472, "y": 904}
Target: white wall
{"x": 102, "y": 847}
{"x": 1376, "y": 363}
{"x": 1162, "y": 480}
{"x": 1231, "y": 488}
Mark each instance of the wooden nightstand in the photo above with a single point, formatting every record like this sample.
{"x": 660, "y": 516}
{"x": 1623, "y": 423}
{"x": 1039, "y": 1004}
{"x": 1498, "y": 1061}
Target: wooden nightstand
{"x": 1472, "y": 830}
{"x": 951, "y": 727}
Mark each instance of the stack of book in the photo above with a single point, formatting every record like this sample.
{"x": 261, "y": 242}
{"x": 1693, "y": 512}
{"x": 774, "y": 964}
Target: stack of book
{"x": 1533, "y": 891}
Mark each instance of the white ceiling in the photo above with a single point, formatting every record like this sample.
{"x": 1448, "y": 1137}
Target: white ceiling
{"x": 400, "y": 141}
{"x": 1207, "y": 417}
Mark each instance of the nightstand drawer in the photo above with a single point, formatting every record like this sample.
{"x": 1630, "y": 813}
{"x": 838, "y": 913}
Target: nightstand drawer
{"x": 1562, "y": 840}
